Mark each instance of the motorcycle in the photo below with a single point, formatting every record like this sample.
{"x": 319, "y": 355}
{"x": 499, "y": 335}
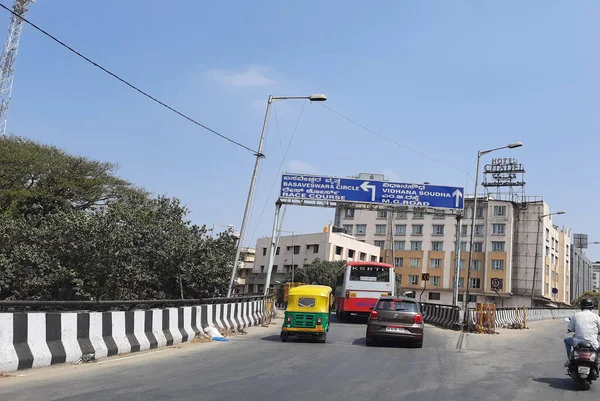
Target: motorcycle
{"x": 583, "y": 366}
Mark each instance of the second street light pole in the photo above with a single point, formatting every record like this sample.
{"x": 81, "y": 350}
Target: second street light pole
{"x": 469, "y": 261}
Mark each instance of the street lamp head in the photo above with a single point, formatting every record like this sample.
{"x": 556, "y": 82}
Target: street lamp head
{"x": 515, "y": 145}
{"x": 561, "y": 212}
{"x": 318, "y": 97}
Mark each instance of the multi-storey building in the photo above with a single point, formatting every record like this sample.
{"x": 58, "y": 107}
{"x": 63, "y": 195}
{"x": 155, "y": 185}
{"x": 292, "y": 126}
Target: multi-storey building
{"x": 581, "y": 272}
{"x": 506, "y": 237}
{"x": 596, "y": 276}
{"x": 245, "y": 266}
{"x": 293, "y": 252}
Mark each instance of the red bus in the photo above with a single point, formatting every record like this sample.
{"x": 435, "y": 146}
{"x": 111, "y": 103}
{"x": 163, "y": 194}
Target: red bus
{"x": 358, "y": 285}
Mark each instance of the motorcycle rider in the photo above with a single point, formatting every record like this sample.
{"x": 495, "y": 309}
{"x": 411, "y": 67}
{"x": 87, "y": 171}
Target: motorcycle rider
{"x": 586, "y": 326}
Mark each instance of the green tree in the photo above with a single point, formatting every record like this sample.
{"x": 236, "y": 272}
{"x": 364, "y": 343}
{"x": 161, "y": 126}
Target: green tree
{"x": 576, "y": 303}
{"x": 42, "y": 179}
{"x": 319, "y": 272}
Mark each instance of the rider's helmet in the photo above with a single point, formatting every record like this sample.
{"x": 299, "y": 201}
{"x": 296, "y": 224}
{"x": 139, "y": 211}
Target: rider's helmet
{"x": 587, "y": 303}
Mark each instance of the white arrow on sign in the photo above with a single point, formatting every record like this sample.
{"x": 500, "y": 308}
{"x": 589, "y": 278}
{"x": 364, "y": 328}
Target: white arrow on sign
{"x": 457, "y": 195}
{"x": 366, "y": 187}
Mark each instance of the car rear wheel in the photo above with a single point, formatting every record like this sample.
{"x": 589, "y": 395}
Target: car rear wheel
{"x": 370, "y": 342}
{"x": 284, "y": 337}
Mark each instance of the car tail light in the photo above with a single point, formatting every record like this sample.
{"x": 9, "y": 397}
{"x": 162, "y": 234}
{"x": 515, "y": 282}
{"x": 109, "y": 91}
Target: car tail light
{"x": 319, "y": 321}
{"x": 374, "y": 315}
{"x": 289, "y": 319}
{"x": 347, "y": 294}
{"x": 418, "y": 318}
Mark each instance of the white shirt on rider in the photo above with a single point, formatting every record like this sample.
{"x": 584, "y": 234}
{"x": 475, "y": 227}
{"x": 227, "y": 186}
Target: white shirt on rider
{"x": 586, "y": 326}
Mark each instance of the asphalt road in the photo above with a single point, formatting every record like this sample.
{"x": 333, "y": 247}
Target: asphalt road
{"x": 514, "y": 365}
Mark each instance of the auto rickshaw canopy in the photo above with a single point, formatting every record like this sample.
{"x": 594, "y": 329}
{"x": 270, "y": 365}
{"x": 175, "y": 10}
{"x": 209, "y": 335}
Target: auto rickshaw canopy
{"x": 309, "y": 298}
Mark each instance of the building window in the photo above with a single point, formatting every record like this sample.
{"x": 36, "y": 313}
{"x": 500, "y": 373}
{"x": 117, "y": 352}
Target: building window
{"x": 316, "y": 248}
{"x": 463, "y": 246}
{"x": 498, "y": 228}
{"x": 418, "y": 214}
{"x": 264, "y": 251}
{"x": 361, "y": 229}
{"x": 479, "y": 213}
{"x": 262, "y": 269}
{"x": 381, "y": 214}
{"x": 400, "y": 229}
{"x": 461, "y": 264}
{"x": 416, "y": 245}
{"x": 499, "y": 210}
{"x": 414, "y": 262}
{"x": 435, "y": 263}
{"x": 437, "y": 246}
{"x": 348, "y": 228}
{"x": 277, "y": 250}
{"x": 399, "y": 245}
{"x": 463, "y": 229}
{"x": 439, "y": 215}
{"x": 380, "y": 229}
{"x": 547, "y": 235}
{"x": 296, "y": 249}
{"x": 363, "y": 256}
{"x": 399, "y": 262}
{"x": 475, "y": 283}
{"x": 497, "y": 246}
{"x": 476, "y": 265}
{"x": 477, "y": 246}
{"x": 413, "y": 279}
{"x": 435, "y": 281}
{"x": 438, "y": 229}
{"x": 479, "y": 230}
{"x": 380, "y": 244}
{"x": 461, "y": 282}
{"x": 547, "y": 251}
{"x": 399, "y": 278}
{"x": 373, "y": 258}
{"x": 434, "y": 296}
{"x": 401, "y": 215}
{"x": 339, "y": 250}
{"x": 417, "y": 229}
{"x": 497, "y": 264}
{"x": 349, "y": 213}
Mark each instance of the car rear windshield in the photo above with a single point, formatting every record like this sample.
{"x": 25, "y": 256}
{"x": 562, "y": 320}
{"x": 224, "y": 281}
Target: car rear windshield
{"x": 397, "y": 305}
{"x": 306, "y": 302}
{"x": 370, "y": 273}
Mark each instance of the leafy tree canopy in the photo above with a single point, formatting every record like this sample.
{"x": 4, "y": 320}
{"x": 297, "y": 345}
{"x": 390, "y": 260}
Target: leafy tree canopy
{"x": 42, "y": 179}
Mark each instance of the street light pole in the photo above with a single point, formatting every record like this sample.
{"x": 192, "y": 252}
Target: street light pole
{"x": 470, "y": 261}
{"x": 259, "y": 155}
{"x": 537, "y": 242}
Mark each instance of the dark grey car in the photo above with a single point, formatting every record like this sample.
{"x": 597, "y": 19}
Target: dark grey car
{"x": 396, "y": 318}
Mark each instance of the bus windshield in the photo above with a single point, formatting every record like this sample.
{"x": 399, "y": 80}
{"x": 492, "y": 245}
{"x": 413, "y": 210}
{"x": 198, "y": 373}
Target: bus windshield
{"x": 370, "y": 273}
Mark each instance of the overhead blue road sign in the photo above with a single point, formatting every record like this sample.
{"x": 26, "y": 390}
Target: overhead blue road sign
{"x": 314, "y": 187}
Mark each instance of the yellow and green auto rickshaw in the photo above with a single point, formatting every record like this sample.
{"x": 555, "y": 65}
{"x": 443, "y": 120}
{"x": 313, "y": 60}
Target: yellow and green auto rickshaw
{"x": 308, "y": 312}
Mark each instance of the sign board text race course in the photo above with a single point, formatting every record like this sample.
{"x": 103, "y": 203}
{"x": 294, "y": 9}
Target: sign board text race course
{"x": 335, "y": 189}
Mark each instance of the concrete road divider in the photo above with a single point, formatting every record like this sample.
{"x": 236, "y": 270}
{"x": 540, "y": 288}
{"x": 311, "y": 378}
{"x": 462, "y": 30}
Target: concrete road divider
{"x": 446, "y": 316}
{"x": 37, "y": 339}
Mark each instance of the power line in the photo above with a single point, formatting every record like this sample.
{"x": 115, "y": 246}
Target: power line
{"x": 391, "y": 140}
{"x": 129, "y": 84}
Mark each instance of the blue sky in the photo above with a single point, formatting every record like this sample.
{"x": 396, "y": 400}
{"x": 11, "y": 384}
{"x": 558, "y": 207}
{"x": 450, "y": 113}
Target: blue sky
{"x": 443, "y": 78}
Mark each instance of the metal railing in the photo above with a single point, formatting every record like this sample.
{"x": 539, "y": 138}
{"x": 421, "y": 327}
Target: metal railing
{"x": 61, "y": 306}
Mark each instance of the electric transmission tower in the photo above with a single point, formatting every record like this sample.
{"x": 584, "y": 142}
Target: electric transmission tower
{"x": 7, "y": 60}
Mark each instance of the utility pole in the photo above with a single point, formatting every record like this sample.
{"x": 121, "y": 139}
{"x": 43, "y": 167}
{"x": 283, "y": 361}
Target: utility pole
{"x": 456, "y": 261}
